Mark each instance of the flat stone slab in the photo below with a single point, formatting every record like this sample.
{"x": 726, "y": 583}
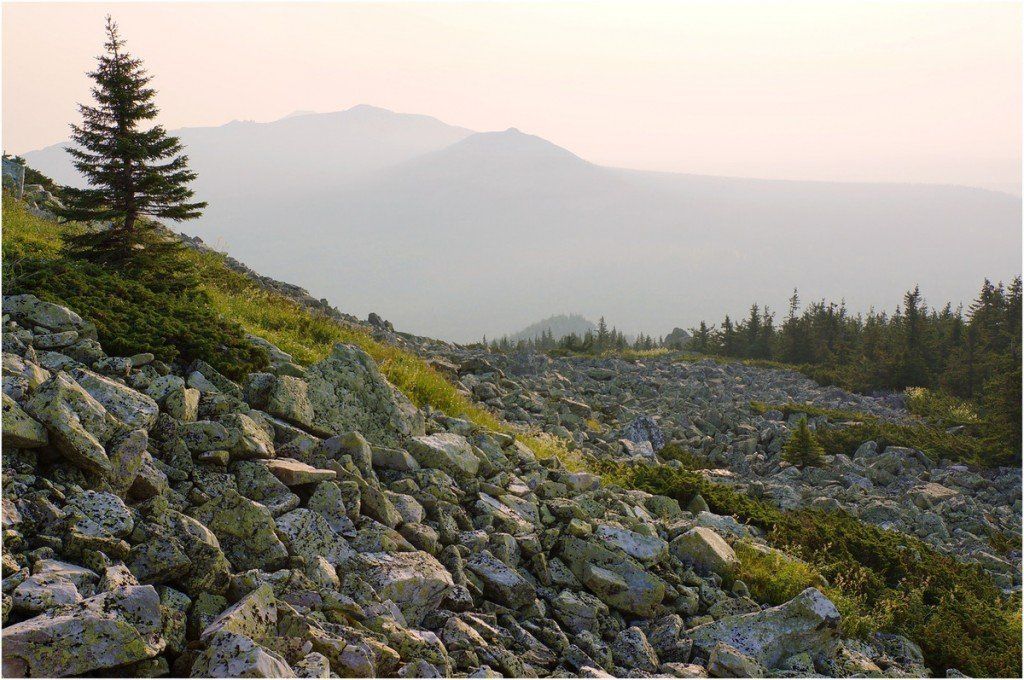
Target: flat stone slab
{"x": 295, "y": 473}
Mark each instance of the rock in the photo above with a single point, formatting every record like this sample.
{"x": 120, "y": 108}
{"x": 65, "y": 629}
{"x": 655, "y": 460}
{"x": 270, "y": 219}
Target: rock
{"x": 451, "y": 453}
{"x": 209, "y": 568}
{"x": 328, "y": 501}
{"x": 578, "y": 612}
{"x": 75, "y": 421}
{"x": 105, "y": 513}
{"x": 805, "y": 623}
{"x": 617, "y": 580}
{"x": 245, "y": 530}
{"x": 254, "y": 616}
{"x": 42, "y": 592}
{"x": 502, "y": 583}
{"x": 348, "y": 393}
{"x": 728, "y": 662}
{"x": 705, "y": 550}
{"x": 930, "y": 494}
{"x": 645, "y": 549}
{"x": 19, "y": 429}
{"x": 134, "y": 409}
{"x": 632, "y": 650}
{"x": 293, "y": 473}
{"x": 127, "y": 454}
{"x": 308, "y": 535}
{"x": 393, "y": 459}
{"x": 31, "y": 311}
{"x": 248, "y": 440}
{"x": 644, "y": 430}
{"x": 109, "y": 630}
{"x": 415, "y": 581}
{"x": 229, "y": 655}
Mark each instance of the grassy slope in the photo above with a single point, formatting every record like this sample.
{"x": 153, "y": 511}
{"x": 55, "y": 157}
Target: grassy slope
{"x": 959, "y": 620}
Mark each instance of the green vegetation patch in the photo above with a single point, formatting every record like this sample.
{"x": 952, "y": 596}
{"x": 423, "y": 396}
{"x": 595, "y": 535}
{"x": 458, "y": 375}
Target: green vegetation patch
{"x": 131, "y": 315}
{"x": 880, "y": 580}
{"x": 929, "y": 434}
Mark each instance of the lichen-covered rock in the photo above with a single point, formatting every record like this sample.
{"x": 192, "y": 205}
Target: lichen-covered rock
{"x": 347, "y": 392}
{"x": 308, "y": 535}
{"x": 502, "y": 583}
{"x": 209, "y": 570}
{"x": 641, "y": 547}
{"x": 104, "y": 512}
{"x": 632, "y": 650}
{"x": 254, "y": 616}
{"x": 230, "y": 655}
{"x": 705, "y": 550}
{"x": 31, "y": 311}
{"x": 135, "y": 409}
{"x": 247, "y": 439}
{"x": 245, "y": 530}
{"x": 112, "y": 629}
{"x": 75, "y": 421}
{"x": 806, "y": 623}
{"x": 42, "y": 592}
{"x": 415, "y": 581}
{"x": 445, "y": 451}
{"x": 20, "y": 430}
{"x": 616, "y": 579}
{"x": 127, "y": 453}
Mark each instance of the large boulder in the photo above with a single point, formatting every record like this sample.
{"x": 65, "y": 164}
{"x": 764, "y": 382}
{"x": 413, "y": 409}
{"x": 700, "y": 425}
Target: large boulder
{"x": 415, "y": 581}
{"x": 245, "y": 529}
{"x": 705, "y": 550}
{"x": 348, "y": 392}
{"x": 77, "y": 423}
{"x": 135, "y": 409}
{"x": 254, "y": 616}
{"x": 230, "y": 655}
{"x": 616, "y": 579}
{"x": 807, "y": 623}
{"x": 309, "y": 535}
{"x": 115, "y": 628}
{"x": 31, "y": 311}
{"x": 445, "y": 451}
{"x": 502, "y": 583}
{"x": 19, "y": 429}
{"x": 644, "y": 430}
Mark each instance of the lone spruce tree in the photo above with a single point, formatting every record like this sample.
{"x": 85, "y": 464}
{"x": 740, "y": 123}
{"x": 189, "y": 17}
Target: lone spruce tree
{"x": 802, "y": 447}
{"x": 133, "y": 172}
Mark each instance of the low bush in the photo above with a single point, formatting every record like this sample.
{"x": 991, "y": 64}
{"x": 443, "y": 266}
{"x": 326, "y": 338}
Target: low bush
{"x": 130, "y": 316}
{"x": 847, "y": 430}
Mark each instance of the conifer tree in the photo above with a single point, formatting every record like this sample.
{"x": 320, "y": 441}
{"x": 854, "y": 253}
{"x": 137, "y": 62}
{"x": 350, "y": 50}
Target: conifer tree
{"x": 802, "y": 447}
{"x": 133, "y": 172}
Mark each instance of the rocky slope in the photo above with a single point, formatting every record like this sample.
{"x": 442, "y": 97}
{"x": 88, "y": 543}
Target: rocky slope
{"x": 312, "y": 522}
{"x": 635, "y": 406}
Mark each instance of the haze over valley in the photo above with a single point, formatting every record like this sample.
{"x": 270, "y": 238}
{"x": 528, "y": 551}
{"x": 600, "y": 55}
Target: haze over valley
{"x": 456, "y": 234}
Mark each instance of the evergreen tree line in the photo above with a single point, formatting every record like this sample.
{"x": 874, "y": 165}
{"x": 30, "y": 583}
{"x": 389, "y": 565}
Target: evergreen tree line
{"x": 602, "y": 339}
{"x": 972, "y": 354}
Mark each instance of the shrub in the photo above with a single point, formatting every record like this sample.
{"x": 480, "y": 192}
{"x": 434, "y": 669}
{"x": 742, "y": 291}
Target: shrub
{"x": 802, "y": 447}
{"x": 132, "y": 314}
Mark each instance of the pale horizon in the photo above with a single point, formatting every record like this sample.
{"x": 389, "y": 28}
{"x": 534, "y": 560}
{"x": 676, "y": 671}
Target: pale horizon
{"x": 847, "y": 92}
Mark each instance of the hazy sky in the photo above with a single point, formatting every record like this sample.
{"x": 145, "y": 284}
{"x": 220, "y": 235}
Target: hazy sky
{"x": 909, "y": 92}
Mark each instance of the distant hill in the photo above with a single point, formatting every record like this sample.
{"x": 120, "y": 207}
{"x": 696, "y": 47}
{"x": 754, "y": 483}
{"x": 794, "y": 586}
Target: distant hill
{"x": 560, "y": 326}
{"x": 394, "y": 213}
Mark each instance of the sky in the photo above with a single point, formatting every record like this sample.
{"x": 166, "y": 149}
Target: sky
{"x": 902, "y": 92}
